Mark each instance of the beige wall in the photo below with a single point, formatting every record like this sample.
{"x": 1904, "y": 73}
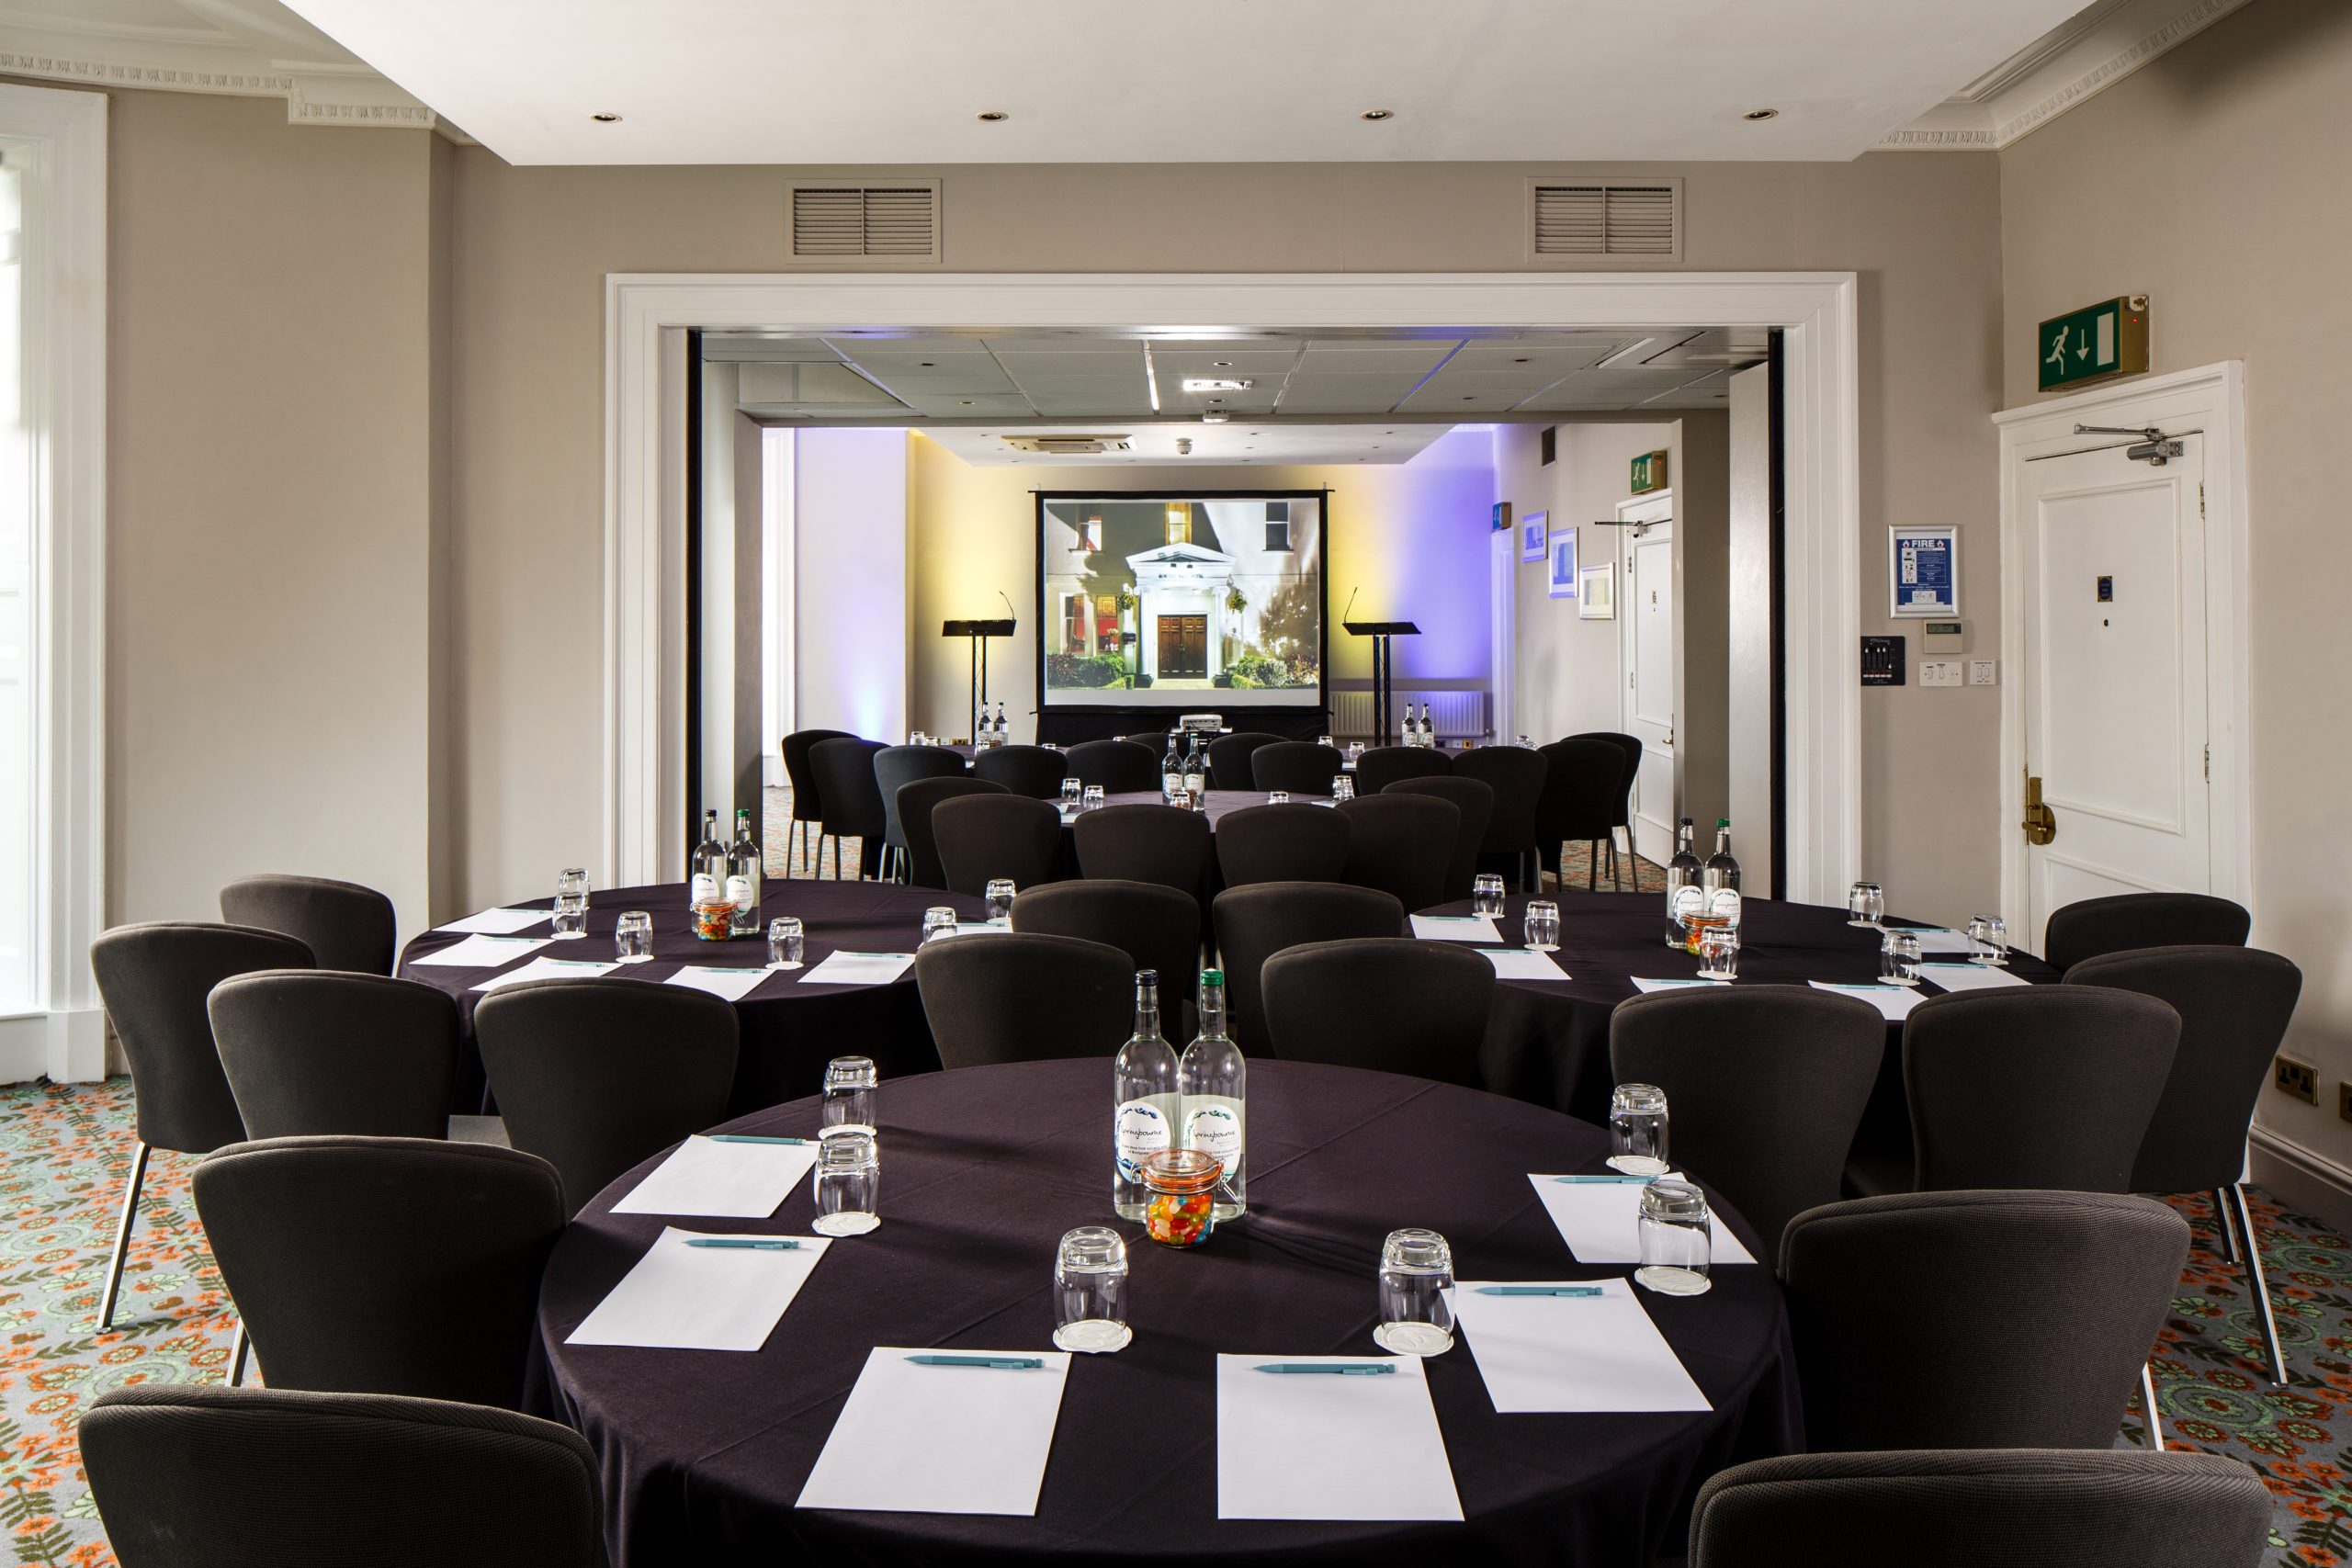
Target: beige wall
{"x": 2214, "y": 181}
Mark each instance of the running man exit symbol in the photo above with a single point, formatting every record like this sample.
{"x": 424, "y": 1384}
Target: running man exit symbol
{"x": 2106, "y": 339}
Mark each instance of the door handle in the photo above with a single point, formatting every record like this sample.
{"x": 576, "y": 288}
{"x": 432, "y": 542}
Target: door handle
{"x": 2040, "y": 823}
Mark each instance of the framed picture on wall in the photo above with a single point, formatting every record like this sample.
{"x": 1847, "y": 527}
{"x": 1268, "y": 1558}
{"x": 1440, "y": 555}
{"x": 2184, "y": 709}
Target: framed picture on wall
{"x": 1532, "y": 538}
{"x": 1563, "y": 562}
{"x": 1596, "y": 592}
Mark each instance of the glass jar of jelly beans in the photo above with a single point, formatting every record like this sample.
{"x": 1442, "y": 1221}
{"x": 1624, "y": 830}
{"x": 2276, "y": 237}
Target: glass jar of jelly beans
{"x": 1182, "y": 1183}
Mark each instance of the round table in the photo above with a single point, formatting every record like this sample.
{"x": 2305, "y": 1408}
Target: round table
{"x": 790, "y": 1028}
{"x": 983, "y": 1168}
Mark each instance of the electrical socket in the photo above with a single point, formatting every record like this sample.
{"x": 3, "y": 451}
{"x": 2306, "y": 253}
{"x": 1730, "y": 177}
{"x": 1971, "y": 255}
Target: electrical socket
{"x": 2298, "y": 1078}
{"x": 1982, "y": 672}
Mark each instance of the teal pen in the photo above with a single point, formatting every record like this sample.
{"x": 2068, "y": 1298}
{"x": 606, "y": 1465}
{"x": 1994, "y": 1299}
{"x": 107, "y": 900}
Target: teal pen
{"x": 746, "y": 1243}
{"x": 1341, "y": 1369}
{"x": 748, "y": 1138}
{"x": 1541, "y": 1291}
{"x": 1615, "y": 1181}
{"x": 995, "y": 1363}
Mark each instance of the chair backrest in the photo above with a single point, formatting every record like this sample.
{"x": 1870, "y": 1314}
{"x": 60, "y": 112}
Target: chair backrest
{"x": 2041, "y": 1086}
{"x": 1766, "y": 1085}
{"x": 1629, "y": 748}
{"x": 1380, "y": 766}
{"x": 1388, "y": 1003}
{"x": 330, "y": 1050}
{"x": 1229, "y": 757}
{"x": 1255, "y": 922}
{"x": 2127, "y": 922}
{"x": 2234, "y": 1005}
{"x": 1473, "y": 804}
{"x": 197, "y": 1475}
{"x": 1115, "y": 767}
{"x": 915, "y": 804}
{"x": 1516, "y": 775}
{"x": 384, "y": 1265}
{"x": 594, "y": 1075}
{"x": 345, "y": 925}
{"x": 1156, "y": 926}
{"x": 984, "y": 837}
{"x": 1295, "y": 841}
{"x": 1141, "y": 842}
{"x": 1024, "y": 998}
{"x": 847, "y": 790}
{"x": 806, "y": 802}
{"x": 1401, "y": 844}
{"x": 1970, "y": 1508}
{"x": 1584, "y": 783}
{"x": 897, "y": 766}
{"x": 1887, "y": 1298}
{"x": 1300, "y": 766}
{"x": 153, "y": 979}
{"x": 1154, "y": 741}
{"x": 1034, "y": 771}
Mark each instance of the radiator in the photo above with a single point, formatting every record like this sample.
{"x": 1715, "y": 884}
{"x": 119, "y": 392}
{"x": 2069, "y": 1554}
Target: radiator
{"x": 1458, "y": 716}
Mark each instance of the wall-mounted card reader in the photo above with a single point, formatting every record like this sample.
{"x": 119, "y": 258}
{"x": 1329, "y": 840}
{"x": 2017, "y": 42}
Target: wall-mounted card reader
{"x": 1943, "y": 637}
{"x": 1882, "y": 661}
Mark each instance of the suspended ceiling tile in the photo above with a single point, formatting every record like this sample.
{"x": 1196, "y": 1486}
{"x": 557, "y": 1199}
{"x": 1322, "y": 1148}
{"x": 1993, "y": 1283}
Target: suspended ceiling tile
{"x": 1416, "y": 357}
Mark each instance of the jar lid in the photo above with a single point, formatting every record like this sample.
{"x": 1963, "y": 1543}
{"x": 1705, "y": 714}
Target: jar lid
{"x": 1182, "y": 1170}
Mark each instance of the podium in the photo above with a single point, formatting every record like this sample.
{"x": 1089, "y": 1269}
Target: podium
{"x": 979, "y": 632}
{"x": 1383, "y": 671}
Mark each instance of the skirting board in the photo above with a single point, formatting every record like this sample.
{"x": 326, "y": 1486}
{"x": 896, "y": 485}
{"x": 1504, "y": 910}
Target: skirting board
{"x": 65, "y": 1047}
{"x": 2305, "y": 1179}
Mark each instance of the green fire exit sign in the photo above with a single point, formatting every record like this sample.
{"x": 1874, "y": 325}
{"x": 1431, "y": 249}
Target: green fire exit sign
{"x": 2110, "y": 338}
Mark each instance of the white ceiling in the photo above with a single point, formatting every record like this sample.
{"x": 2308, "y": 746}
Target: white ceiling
{"x": 1215, "y": 81}
{"x": 1219, "y": 445}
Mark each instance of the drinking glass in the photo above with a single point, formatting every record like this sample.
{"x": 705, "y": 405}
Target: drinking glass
{"x": 1343, "y": 789}
{"x": 1487, "y": 893}
{"x": 1090, "y": 1292}
{"x": 1092, "y": 798}
{"x": 570, "y": 915}
{"x": 572, "y": 880}
{"x": 1000, "y": 891}
{"x": 1278, "y": 797}
{"x": 848, "y": 1178}
{"x": 938, "y": 920}
{"x": 1542, "y": 925}
{"x": 1676, "y": 1239}
{"x": 784, "y": 939}
{"x": 1525, "y": 744}
{"x": 1322, "y": 740}
{"x": 1637, "y": 1129}
{"x": 848, "y": 1105}
{"x": 1073, "y": 790}
{"x": 1865, "y": 904}
{"x": 1718, "y": 953}
{"x": 1898, "y": 959}
{"x": 1415, "y": 1294}
{"x": 1355, "y": 750}
{"x": 1989, "y": 940}
{"x": 633, "y": 937}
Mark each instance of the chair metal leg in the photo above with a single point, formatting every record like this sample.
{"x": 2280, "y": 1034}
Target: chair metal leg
{"x": 2229, "y": 1225}
{"x": 2261, "y": 1289}
{"x": 2148, "y": 1404}
{"x": 1616, "y": 866}
{"x": 1591, "y": 866}
{"x": 237, "y": 1357}
{"x": 122, "y": 1239}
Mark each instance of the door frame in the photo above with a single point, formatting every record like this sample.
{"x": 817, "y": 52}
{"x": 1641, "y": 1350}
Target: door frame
{"x": 2212, "y": 399}
{"x": 1628, "y": 639}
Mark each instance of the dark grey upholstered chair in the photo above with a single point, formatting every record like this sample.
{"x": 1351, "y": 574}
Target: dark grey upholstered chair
{"x": 1473, "y": 803}
{"x": 807, "y": 805}
{"x": 333, "y": 1051}
{"x": 1295, "y": 841}
{"x": 1975, "y": 1508}
{"x": 1115, "y": 767}
{"x": 2234, "y": 1005}
{"x": 1141, "y": 842}
{"x": 1380, "y": 766}
{"x": 1584, "y": 786}
{"x": 1025, "y": 998}
{"x": 1253, "y": 923}
{"x": 894, "y": 767}
{"x": 852, "y": 801}
{"x": 1887, "y": 1298}
{"x": 1157, "y": 927}
{"x": 384, "y": 1265}
{"x": 1401, "y": 844}
{"x": 1301, "y": 767}
{"x": 154, "y": 980}
{"x": 916, "y": 803}
{"x": 191, "y": 1475}
{"x": 1229, "y": 757}
{"x": 984, "y": 837}
{"x": 2131, "y": 921}
{"x": 1388, "y": 1003}
{"x": 1766, "y": 1084}
{"x": 1629, "y": 746}
{"x": 596, "y": 1074}
{"x": 345, "y": 925}
{"x": 1034, "y": 771}
{"x": 1516, "y": 775}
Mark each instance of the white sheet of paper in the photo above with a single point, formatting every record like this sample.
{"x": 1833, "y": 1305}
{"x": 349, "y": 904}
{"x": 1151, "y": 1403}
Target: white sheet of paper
{"x": 1968, "y": 976}
{"x": 1601, "y": 1221}
{"x": 1938, "y": 939}
{"x": 940, "y": 1440}
{"x": 733, "y": 985}
{"x": 711, "y": 1179}
{"x": 1544, "y": 1354}
{"x": 858, "y": 969}
{"x": 1894, "y": 1001}
{"x": 484, "y": 952}
{"x": 1520, "y": 964}
{"x": 1316, "y": 1446}
{"x": 980, "y": 928}
{"x": 1648, "y": 986}
{"x": 549, "y": 969}
{"x": 694, "y": 1298}
{"x": 1455, "y": 927}
{"x": 496, "y": 922}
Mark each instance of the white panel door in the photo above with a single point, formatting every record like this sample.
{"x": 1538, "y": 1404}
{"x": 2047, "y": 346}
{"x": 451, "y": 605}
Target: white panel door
{"x": 1650, "y": 644}
{"x": 2114, "y": 678}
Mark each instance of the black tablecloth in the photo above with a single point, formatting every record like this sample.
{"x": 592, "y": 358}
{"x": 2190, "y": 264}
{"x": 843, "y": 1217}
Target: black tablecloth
{"x": 790, "y": 1029}
{"x": 984, "y": 1168}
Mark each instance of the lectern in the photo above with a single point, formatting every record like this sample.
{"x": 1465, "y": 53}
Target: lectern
{"x": 1384, "y": 670}
{"x": 979, "y": 632}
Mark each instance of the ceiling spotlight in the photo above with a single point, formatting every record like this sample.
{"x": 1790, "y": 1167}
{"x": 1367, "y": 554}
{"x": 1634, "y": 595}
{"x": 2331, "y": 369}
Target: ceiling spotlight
{"x": 1379, "y": 114}
{"x": 1183, "y": 446}
{"x": 925, "y": 364}
{"x": 604, "y": 118}
{"x": 1762, "y": 114}
{"x": 1214, "y": 418}
{"x": 1519, "y": 362}
{"x": 964, "y": 403}
{"x": 1224, "y": 365}
{"x": 992, "y": 116}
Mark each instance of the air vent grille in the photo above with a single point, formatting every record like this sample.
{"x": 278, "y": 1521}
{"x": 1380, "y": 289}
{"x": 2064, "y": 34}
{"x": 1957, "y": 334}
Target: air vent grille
{"x": 866, "y": 222}
{"x": 1608, "y": 220}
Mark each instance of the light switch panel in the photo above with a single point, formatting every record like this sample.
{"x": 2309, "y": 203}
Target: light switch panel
{"x": 1939, "y": 673}
{"x": 1984, "y": 671}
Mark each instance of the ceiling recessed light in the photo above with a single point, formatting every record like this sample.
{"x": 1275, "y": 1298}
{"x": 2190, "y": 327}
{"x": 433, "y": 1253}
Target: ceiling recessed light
{"x": 1469, "y": 399}
{"x": 965, "y": 403}
{"x": 1379, "y": 114}
{"x": 1224, "y": 365}
{"x": 604, "y": 118}
{"x": 992, "y": 116}
{"x": 1763, "y": 114}
{"x": 1519, "y": 362}
{"x": 925, "y": 364}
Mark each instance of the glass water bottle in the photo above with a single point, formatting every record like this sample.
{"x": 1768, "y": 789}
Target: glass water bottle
{"x": 707, "y": 870}
{"x": 1215, "y": 1081}
{"x": 1196, "y": 767}
{"x": 1684, "y": 896}
{"x": 744, "y": 872}
{"x": 1172, "y": 773}
{"x": 1720, "y": 881}
{"x": 1144, "y": 1101}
